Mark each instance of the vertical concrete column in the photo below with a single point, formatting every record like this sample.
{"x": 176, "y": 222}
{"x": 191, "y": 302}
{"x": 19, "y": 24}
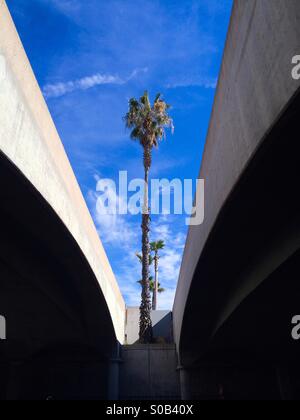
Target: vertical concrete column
{"x": 12, "y": 391}
{"x": 284, "y": 384}
{"x": 184, "y": 383}
{"x": 201, "y": 383}
{"x": 114, "y": 374}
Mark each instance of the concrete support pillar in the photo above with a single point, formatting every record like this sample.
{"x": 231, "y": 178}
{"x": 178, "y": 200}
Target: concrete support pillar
{"x": 284, "y": 384}
{"x": 200, "y": 383}
{"x": 114, "y": 374}
{"x": 184, "y": 383}
{"x": 12, "y": 391}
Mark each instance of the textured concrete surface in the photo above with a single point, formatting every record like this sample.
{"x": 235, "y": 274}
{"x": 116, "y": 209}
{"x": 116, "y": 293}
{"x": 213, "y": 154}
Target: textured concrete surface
{"x": 229, "y": 383}
{"x": 149, "y": 372}
{"x": 28, "y": 138}
{"x": 162, "y": 322}
{"x": 254, "y": 88}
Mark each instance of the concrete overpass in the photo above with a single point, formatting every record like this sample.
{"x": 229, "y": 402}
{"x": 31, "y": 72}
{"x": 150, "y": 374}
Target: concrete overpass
{"x": 238, "y": 288}
{"x": 63, "y": 309}
{"x": 239, "y": 282}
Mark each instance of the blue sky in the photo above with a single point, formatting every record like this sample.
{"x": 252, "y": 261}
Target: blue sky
{"x": 90, "y": 57}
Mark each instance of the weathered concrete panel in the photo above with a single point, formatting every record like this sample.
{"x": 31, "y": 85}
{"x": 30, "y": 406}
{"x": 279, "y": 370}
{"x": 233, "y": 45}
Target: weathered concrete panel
{"x": 162, "y": 322}
{"x": 29, "y": 139}
{"x": 149, "y": 372}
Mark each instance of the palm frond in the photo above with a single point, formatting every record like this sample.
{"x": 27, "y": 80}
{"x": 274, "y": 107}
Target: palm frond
{"x": 136, "y": 133}
{"x": 158, "y": 245}
{"x": 140, "y": 258}
{"x": 146, "y": 101}
{"x": 157, "y": 98}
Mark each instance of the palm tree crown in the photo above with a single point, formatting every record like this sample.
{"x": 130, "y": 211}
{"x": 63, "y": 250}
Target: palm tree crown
{"x": 148, "y": 123}
{"x": 157, "y": 246}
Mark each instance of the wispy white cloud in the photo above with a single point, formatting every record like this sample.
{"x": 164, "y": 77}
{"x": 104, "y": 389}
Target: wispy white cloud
{"x": 60, "y": 89}
{"x": 205, "y": 83}
{"x": 120, "y": 232}
{"x": 131, "y": 291}
{"x": 166, "y": 163}
{"x": 166, "y": 299}
{"x": 162, "y": 231}
{"x": 114, "y": 229}
{"x": 170, "y": 264}
{"x": 67, "y": 7}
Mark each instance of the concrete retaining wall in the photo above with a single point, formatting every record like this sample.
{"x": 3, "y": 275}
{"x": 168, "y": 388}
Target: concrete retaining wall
{"x": 162, "y": 322}
{"x": 149, "y": 372}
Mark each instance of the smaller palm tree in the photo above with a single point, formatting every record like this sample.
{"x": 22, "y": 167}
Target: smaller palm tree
{"x": 152, "y": 288}
{"x": 155, "y": 248}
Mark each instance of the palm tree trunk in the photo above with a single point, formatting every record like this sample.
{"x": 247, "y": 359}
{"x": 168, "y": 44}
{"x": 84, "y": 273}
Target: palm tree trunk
{"x": 155, "y": 292}
{"x": 145, "y": 309}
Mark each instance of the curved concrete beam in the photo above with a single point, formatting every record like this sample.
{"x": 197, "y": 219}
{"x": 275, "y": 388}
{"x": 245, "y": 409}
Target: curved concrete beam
{"x": 28, "y": 137}
{"x": 255, "y": 86}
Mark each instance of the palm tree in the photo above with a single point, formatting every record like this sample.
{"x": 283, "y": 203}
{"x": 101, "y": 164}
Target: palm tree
{"x": 140, "y": 258}
{"x": 156, "y": 247}
{"x": 152, "y": 287}
{"x": 147, "y": 124}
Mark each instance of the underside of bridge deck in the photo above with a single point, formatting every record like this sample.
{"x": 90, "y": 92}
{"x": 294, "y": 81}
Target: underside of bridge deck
{"x": 60, "y": 335}
{"x": 245, "y": 290}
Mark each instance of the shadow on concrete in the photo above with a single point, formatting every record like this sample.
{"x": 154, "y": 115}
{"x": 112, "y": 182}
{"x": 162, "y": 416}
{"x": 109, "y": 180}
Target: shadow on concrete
{"x": 60, "y": 334}
{"x": 162, "y": 322}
